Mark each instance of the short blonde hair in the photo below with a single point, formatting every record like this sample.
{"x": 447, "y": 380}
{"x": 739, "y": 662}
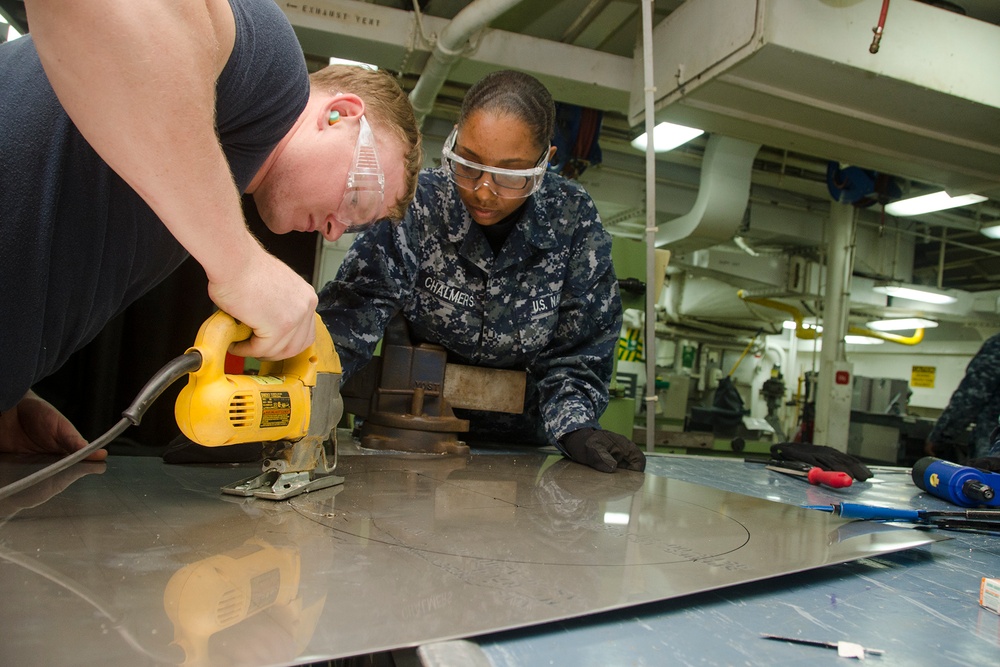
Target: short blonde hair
{"x": 387, "y": 108}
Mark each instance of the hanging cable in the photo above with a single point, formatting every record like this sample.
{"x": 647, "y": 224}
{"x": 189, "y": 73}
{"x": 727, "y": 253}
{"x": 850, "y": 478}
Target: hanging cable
{"x": 878, "y": 29}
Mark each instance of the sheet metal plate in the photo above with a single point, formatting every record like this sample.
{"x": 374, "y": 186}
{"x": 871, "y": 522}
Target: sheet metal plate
{"x": 149, "y": 564}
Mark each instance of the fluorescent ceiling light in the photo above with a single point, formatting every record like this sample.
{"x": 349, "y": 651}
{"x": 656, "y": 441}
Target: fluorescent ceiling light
{"x": 862, "y": 340}
{"x": 667, "y": 136}
{"x": 790, "y": 324}
{"x": 902, "y": 324}
{"x": 992, "y": 232}
{"x": 937, "y": 201}
{"x": 356, "y": 63}
{"x": 915, "y": 293}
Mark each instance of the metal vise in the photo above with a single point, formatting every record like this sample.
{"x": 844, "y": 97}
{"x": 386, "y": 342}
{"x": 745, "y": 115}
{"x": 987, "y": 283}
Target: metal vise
{"x": 406, "y": 396}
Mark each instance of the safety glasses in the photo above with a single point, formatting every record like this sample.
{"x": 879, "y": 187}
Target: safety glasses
{"x": 505, "y": 183}
{"x": 362, "y": 202}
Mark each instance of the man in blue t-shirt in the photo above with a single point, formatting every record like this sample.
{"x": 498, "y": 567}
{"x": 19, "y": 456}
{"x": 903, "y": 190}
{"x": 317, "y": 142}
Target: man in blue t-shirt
{"x": 126, "y": 139}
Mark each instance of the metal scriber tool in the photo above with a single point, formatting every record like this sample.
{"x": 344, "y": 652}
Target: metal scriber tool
{"x": 844, "y": 649}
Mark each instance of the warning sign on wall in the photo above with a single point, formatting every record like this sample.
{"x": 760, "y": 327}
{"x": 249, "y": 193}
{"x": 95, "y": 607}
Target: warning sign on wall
{"x": 630, "y": 345}
{"x": 923, "y": 376}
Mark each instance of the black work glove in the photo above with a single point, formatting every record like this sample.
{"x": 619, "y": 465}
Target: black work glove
{"x": 821, "y": 456}
{"x": 603, "y": 450}
{"x": 987, "y": 463}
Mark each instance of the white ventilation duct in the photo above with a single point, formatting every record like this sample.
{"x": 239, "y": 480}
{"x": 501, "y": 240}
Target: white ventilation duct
{"x": 722, "y": 197}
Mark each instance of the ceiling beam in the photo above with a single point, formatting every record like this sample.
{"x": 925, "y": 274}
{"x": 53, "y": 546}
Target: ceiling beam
{"x": 394, "y": 39}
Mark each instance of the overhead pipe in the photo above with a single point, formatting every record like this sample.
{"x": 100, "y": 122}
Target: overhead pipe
{"x": 449, "y": 47}
{"x": 918, "y": 335}
{"x": 778, "y": 352}
{"x": 805, "y": 333}
{"x": 583, "y": 20}
{"x": 801, "y": 331}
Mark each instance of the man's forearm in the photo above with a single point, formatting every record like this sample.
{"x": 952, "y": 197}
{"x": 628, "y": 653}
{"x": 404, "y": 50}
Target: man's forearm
{"x": 138, "y": 81}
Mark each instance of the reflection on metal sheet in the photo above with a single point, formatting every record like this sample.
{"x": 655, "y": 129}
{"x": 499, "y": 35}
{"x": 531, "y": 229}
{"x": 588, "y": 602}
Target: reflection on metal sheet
{"x": 150, "y": 564}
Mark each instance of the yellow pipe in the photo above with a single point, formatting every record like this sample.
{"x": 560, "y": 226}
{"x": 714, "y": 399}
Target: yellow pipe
{"x": 801, "y": 331}
{"x": 918, "y": 335}
{"x": 804, "y": 333}
{"x": 747, "y": 349}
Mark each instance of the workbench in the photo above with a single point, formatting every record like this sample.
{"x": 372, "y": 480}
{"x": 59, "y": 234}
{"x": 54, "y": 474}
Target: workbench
{"x": 920, "y": 606}
{"x": 94, "y": 562}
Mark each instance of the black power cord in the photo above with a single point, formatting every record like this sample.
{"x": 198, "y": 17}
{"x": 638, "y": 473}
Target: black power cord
{"x": 174, "y": 370}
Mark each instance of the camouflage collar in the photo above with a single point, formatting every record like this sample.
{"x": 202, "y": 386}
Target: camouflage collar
{"x": 534, "y": 226}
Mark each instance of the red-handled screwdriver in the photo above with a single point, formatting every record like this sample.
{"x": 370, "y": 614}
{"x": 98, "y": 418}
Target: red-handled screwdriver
{"x": 815, "y": 475}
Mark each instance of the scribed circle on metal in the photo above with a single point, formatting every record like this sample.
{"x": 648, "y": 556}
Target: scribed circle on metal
{"x": 514, "y": 517}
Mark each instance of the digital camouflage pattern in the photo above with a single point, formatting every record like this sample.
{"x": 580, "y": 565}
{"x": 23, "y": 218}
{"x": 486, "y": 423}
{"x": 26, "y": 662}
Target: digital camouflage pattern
{"x": 547, "y": 303}
{"x": 977, "y": 399}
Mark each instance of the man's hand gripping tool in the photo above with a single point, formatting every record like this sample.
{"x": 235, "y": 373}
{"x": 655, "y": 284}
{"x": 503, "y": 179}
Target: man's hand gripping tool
{"x": 294, "y": 405}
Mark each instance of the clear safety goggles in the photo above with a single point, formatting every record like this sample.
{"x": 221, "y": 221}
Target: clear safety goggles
{"x": 362, "y": 202}
{"x": 506, "y": 183}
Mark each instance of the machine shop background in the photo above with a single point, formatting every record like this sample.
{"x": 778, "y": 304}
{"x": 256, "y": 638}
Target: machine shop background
{"x": 843, "y": 126}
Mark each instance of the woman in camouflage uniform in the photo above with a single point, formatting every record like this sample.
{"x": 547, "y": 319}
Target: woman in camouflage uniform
{"x": 505, "y": 265}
